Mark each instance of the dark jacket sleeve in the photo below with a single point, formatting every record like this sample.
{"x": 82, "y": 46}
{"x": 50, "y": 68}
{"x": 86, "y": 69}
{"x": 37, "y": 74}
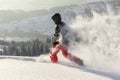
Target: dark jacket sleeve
{"x": 57, "y": 31}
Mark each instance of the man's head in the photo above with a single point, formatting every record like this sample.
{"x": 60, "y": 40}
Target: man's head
{"x": 56, "y": 18}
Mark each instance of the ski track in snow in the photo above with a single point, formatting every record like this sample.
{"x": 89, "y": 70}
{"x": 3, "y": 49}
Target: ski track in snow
{"x": 37, "y": 68}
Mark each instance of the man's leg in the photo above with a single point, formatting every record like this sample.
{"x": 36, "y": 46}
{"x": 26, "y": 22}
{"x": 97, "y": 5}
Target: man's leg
{"x": 54, "y": 58}
{"x": 53, "y": 53}
{"x": 70, "y": 56}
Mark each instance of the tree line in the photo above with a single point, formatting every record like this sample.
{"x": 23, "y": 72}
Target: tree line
{"x": 25, "y": 48}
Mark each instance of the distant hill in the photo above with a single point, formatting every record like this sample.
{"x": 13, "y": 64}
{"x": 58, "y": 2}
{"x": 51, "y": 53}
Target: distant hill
{"x": 39, "y": 21}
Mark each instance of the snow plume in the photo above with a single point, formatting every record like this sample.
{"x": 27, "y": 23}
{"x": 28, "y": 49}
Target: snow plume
{"x": 100, "y": 41}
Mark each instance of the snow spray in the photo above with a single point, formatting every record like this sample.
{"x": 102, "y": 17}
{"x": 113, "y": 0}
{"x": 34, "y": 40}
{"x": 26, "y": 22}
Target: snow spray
{"x": 100, "y": 41}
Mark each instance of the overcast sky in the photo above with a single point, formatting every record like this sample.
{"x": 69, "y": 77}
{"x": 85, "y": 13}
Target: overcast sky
{"x": 37, "y": 4}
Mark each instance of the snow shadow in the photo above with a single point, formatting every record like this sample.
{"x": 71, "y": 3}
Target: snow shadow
{"x": 19, "y": 58}
{"x": 88, "y": 69}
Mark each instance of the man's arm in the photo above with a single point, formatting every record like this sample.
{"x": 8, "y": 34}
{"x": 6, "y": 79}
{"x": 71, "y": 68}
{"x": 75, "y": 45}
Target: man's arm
{"x": 57, "y": 31}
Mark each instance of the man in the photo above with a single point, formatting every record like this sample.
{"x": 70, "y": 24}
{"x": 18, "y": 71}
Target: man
{"x": 64, "y": 32}
{"x": 61, "y": 29}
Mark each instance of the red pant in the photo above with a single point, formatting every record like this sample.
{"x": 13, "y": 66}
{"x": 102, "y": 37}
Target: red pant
{"x": 54, "y": 51}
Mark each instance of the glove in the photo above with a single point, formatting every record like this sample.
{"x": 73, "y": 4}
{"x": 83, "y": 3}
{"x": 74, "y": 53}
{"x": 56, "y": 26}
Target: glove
{"x": 55, "y": 43}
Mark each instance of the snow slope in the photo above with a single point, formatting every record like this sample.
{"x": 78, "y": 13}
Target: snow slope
{"x": 99, "y": 48}
{"x": 40, "y": 68}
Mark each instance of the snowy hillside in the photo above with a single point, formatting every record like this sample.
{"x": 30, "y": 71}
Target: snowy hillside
{"x": 97, "y": 25}
{"x": 26, "y": 68}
